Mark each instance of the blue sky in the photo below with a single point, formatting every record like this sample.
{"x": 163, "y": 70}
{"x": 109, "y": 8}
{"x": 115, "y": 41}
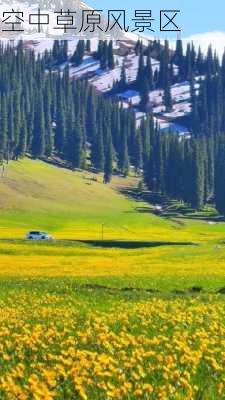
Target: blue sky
{"x": 197, "y": 16}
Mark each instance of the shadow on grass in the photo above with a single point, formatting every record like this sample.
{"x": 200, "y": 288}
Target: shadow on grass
{"x": 117, "y": 244}
{"x": 169, "y": 208}
{"x": 195, "y": 290}
{"x": 97, "y": 287}
{"x": 128, "y": 244}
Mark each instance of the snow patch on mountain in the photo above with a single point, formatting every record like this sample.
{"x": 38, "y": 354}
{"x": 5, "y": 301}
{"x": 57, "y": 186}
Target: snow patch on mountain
{"x": 104, "y": 80}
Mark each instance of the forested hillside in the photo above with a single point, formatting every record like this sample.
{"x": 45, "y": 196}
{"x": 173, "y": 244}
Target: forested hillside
{"x": 47, "y": 112}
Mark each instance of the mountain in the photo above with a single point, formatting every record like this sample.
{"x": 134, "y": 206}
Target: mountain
{"x": 141, "y": 93}
{"x": 103, "y": 81}
{"x": 124, "y": 53}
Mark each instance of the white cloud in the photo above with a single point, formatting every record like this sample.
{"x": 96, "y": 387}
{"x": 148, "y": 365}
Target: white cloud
{"x": 215, "y": 38}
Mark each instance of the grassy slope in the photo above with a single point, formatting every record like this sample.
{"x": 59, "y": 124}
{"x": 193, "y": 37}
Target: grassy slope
{"x": 34, "y": 195}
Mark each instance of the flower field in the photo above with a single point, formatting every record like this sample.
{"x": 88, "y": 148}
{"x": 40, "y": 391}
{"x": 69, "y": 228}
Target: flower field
{"x": 76, "y": 344}
{"x": 82, "y": 318}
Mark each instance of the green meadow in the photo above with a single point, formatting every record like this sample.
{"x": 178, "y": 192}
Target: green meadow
{"x": 122, "y": 304}
{"x": 102, "y": 236}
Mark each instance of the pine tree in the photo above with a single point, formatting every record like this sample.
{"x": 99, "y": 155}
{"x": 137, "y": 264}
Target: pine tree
{"x": 218, "y": 103}
{"x": 210, "y": 67}
{"x": 98, "y": 158}
{"x": 108, "y": 168}
{"x": 194, "y": 109}
{"x": 200, "y": 67}
{"x": 210, "y": 161}
{"x": 38, "y": 143}
{"x": 48, "y": 121}
{"x": 56, "y": 50}
{"x": 104, "y": 55}
{"x": 159, "y": 178}
{"x": 220, "y": 178}
{"x": 3, "y": 129}
{"x": 144, "y": 93}
{"x": 123, "y": 79}
{"x": 123, "y": 157}
{"x": 174, "y": 172}
{"x": 22, "y": 145}
{"x": 149, "y": 73}
{"x": 167, "y": 93}
{"x": 111, "y": 61}
{"x": 164, "y": 65}
{"x": 17, "y": 115}
{"x": 137, "y": 153}
{"x": 88, "y": 46}
{"x": 10, "y": 128}
{"x": 138, "y": 47}
{"x": 95, "y": 135}
{"x": 178, "y": 57}
{"x": 116, "y": 121}
{"x": 77, "y": 146}
{"x": 91, "y": 115}
{"x": 64, "y": 51}
{"x": 198, "y": 179}
{"x": 60, "y": 129}
{"x": 145, "y": 135}
{"x": 98, "y": 54}
{"x": 141, "y": 69}
{"x": 78, "y": 54}
{"x": 189, "y": 66}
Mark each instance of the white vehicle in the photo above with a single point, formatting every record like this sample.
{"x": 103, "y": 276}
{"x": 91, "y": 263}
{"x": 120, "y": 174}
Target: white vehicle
{"x": 37, "y": 235}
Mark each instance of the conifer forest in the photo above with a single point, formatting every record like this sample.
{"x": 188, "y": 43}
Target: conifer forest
{"x": 45, "y": 113}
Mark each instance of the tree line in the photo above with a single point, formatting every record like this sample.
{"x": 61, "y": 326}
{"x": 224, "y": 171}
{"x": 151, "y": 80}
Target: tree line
{"x": 44, "y": 113}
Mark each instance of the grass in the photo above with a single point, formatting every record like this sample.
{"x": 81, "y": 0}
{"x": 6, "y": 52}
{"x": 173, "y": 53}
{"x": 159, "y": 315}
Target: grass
{"x": 34, "y": 195}
{"x": 165, "y": 268}
{"x": 69, "y": 205}
{"x": 139, "y": 314}
{"x": 60, "y": 341}
{"x": 139, "y": 249}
